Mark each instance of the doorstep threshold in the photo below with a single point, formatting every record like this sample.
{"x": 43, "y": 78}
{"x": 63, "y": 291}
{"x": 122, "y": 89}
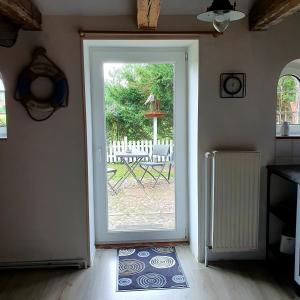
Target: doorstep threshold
{"x": 141, "y": 244}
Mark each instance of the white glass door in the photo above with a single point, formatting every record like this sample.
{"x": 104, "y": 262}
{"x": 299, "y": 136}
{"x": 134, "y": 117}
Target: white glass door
{"x": 139, "y": 140}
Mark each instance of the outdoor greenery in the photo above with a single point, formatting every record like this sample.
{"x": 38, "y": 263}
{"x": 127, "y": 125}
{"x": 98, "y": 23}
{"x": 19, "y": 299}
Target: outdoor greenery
{"x": 287, "y": 92}
{"x": 2, "y": 120}
{"x": 2, "y": 109}
{"x": 126, "y": 91}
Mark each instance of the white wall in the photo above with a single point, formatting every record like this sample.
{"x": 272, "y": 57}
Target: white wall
{"x": 193, "y": 96}
{"x": 89, "y": 157}
{"x": 43, "y": 207}
{"x": 246, "y": 123}
{"x": 287, "y": 151}
{"x": 292, "y": 68}
{"x": 43, "y": 194}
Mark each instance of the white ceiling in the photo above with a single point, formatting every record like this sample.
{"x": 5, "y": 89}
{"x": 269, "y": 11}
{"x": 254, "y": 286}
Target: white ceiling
{"x": 126, "y": 7}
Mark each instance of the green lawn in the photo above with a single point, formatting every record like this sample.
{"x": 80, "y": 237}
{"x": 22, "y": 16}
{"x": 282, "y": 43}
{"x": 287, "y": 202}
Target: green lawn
{"x": 2, "y": 120}
{"x": 121, "y": 169}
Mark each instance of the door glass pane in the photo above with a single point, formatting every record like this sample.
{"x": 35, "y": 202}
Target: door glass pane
{"x": 288, "y": 100}
{"x": 140, "y": 146}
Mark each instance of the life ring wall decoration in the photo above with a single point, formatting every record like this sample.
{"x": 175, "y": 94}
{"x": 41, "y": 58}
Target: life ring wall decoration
{"x": 39, "y": 108}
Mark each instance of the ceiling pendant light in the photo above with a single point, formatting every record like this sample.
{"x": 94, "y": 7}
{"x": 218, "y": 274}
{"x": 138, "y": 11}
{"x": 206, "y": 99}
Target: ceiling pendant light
{"x": 221, "y": 13}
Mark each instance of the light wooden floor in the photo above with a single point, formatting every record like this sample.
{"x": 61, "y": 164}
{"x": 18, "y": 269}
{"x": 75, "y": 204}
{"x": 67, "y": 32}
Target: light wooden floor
{"x": 226, "y": 281}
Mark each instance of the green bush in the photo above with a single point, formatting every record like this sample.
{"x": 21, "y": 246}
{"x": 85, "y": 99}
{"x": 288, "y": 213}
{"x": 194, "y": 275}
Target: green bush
{"x": 2, "y": 120}
{"x": 125, "y": 94}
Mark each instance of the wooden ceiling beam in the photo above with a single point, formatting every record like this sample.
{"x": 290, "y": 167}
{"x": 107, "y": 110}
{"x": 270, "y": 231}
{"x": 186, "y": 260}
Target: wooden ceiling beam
{"x": 23, "y": 12}
{"x": 147, "y": 14}
{"x": 266, "y": 13}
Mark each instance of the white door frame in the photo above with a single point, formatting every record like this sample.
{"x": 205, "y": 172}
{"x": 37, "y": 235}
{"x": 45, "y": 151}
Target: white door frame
{"x": 95, "y": 56}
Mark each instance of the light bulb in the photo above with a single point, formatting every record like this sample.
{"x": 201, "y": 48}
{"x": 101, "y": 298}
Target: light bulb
{"x": 221, "y": 22}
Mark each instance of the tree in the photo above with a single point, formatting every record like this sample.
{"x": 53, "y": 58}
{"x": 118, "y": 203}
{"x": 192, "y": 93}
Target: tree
{"x": 126, "y": 91}
{"x": 287, "y": 91}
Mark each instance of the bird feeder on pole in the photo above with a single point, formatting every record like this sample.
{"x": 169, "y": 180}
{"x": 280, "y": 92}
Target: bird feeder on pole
{"x": 154, "y": 113}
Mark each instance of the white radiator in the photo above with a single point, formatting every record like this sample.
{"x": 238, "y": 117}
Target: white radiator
{"x": 233, "y": 201}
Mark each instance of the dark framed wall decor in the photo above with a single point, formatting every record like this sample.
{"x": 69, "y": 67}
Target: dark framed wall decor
{"x": 233, "y": 85}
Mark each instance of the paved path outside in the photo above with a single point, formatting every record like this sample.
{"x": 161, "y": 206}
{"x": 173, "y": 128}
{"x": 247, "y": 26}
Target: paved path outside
{"x": 135, "y": 208}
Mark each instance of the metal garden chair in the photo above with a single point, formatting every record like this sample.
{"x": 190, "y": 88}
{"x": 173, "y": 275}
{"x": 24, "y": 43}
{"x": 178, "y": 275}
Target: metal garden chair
{"x": 171, "y": 165}
{"x": 110, "y": 174}
{"x": 154, "y": 167}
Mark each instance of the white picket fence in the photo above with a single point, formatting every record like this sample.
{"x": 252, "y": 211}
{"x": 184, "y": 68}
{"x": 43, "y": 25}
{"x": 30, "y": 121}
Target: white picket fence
{"x": 114, "y": 147}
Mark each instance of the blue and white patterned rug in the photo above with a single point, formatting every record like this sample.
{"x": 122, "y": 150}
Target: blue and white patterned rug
{"x": 150, "y": 268}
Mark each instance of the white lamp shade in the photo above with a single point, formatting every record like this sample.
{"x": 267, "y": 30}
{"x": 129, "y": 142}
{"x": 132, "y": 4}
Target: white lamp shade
{"x": 209, "y": 16}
